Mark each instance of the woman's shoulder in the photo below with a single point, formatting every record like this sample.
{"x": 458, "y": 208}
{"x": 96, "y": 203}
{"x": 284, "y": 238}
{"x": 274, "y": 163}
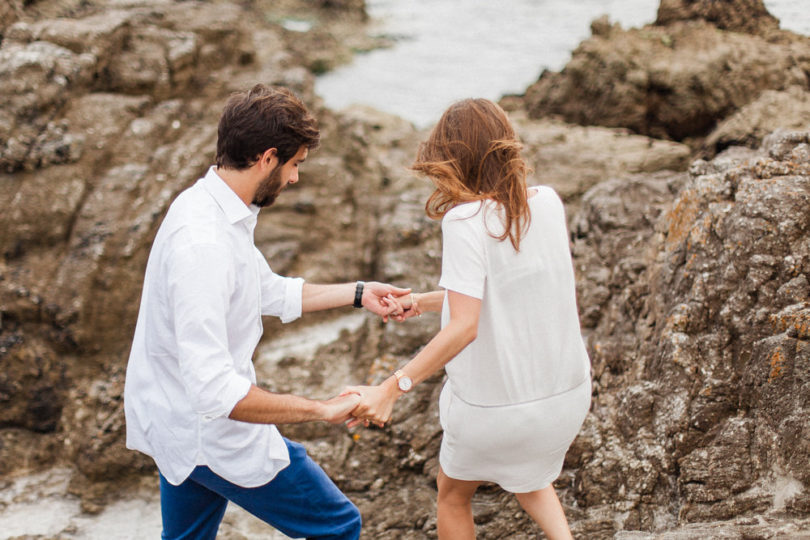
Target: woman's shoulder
{"x": 543, "y": 190}
{"x": 545, "y": 195}
{"x": 463, "y": 211}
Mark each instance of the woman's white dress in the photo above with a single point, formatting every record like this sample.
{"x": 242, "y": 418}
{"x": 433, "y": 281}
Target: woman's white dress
{"x": 516, "y": 396}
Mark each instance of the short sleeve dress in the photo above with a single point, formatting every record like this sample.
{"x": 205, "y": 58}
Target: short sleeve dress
{"x": 516, "y": 396}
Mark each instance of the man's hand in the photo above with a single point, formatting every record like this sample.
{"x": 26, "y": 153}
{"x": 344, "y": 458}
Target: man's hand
{"x": 381, "y": 299}
{"x": 338, "y": 409}
{"x": 376, "y": 403}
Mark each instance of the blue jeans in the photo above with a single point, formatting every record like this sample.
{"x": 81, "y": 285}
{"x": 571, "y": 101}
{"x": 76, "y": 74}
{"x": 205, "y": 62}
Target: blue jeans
{"x": 301, "y": 501}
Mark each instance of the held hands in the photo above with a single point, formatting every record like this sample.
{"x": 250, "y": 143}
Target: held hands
{"x": 375, "y": 403}
{"x": 406, "y": 306}
{"x": 339, "y": 409}
{"x": 388, "y": 301}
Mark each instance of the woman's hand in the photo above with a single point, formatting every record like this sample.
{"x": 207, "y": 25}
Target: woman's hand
{"x": 404, "y": 306}
{"x": 380, "y": 299}
{"x": 376, "y": 403}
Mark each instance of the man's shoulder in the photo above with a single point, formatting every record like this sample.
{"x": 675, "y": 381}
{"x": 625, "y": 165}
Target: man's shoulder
{"x": 194, "y": 217}
{"x": 192, "y": 197}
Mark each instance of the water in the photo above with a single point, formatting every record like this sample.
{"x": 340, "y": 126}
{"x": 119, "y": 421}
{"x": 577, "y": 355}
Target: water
{"x": 452, "y": 49}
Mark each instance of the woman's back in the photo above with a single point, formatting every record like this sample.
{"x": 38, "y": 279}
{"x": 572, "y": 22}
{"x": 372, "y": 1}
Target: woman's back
{"x": 529, "y": 345}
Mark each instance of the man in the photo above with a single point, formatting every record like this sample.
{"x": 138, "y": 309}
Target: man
{"x": 191, "y": 399}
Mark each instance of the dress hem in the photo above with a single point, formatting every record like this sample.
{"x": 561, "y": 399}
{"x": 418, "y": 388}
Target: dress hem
{"x": 523, "y": 488}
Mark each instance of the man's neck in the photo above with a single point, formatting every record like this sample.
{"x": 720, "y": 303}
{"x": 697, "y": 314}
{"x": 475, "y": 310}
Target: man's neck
{"x": 241, "y": 182}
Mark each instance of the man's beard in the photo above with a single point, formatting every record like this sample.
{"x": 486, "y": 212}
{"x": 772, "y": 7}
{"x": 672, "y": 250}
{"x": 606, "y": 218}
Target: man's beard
{"x": 269, "y": 189}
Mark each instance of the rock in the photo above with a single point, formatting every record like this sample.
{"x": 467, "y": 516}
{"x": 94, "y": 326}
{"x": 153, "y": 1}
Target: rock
{"x": 155, "y": 62}
{"x": 31, "y": 385}
{"x": 9, "y": 12}
{"x": 746, "y": 527}
{"x": 692, "y": 279}
{"x": 748, "y": 16}
{"x": 46, "y": 63}
{"x": 102, "y": 35}
{"x": 676, "y": 81}
{"x": 773, "y": 110}
{"x": 602, "y": 26}
{"x": 695, "y": 324}
{"x": 358, "y": 6}
{"x": 36, "y": 79}
{"x": 572, "y": 159}
{"x": 92, "y": 151}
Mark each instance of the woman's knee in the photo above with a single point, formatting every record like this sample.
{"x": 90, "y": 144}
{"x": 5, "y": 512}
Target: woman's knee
{"x": 454, "y": 494}
{"x": 452, "y": 491}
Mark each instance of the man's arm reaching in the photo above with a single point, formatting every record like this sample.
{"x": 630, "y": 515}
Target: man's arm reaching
{"x": 263, "y": 407}
{"x": 377, "y": 297}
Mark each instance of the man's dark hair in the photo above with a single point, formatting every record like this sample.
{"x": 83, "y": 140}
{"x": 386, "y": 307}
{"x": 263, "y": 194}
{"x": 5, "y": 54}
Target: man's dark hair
{"x": 264, "y": 117}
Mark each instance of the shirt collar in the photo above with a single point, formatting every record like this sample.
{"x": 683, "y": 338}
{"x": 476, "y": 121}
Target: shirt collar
{"x": 233, "y": 207}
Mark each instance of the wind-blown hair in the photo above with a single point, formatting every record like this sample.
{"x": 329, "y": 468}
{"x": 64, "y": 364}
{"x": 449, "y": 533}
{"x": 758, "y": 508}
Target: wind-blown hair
{"x": 473, "y": 154}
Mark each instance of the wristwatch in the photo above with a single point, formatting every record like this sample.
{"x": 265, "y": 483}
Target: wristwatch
{"x": 404, "y": 382}
{"x": 358, "y": 294}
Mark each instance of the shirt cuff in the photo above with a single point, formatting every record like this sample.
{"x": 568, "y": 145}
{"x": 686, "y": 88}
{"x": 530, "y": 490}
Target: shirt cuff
{"x": 229, "y": 396}
{"x": 293, "y": 299}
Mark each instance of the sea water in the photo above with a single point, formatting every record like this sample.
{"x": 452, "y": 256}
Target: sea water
{"x": 447, "y": 50}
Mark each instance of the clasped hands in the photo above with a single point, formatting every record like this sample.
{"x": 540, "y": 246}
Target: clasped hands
{"x": 388, "y": 301}
{"x": 373, "y": 404}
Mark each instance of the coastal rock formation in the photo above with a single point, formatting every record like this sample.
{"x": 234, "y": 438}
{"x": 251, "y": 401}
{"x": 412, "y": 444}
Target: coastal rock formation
{"x": 694, "y": 297}
{"x": 693, "y": 284}
{"x": 676, "y": 79}
{"x": 572, "y": 159}
{"x": 748, "y": 16}
{"x": 750, "y": 125}
{"x": 106, "y": 117}
{"x": 696, "y": 303}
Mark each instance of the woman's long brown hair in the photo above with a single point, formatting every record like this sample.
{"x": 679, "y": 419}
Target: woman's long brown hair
{"x": 473, "y": 154}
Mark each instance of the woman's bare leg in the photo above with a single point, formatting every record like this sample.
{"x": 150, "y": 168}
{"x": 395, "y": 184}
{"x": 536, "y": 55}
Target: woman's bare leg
{"x": 454, "y": 516}
{"x": 545, "y": 509}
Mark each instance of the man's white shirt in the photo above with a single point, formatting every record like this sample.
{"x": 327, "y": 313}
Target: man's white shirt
{"x": 205, "y": 290}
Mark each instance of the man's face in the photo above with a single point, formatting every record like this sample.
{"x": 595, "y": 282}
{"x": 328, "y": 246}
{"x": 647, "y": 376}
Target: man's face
{"x": 279, "y": 178}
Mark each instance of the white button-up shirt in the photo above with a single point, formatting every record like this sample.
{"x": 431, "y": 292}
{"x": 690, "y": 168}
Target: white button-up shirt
{"x": 205, "y": 289}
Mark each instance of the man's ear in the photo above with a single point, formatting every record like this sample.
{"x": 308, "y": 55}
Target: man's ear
{"x": 270, "y": 158}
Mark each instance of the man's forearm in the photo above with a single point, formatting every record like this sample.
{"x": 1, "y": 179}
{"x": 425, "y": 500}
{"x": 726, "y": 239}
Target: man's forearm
{"x": 318, "y": 297}
{"x": 375, "y": 297}
{"x": 263, "y": 407}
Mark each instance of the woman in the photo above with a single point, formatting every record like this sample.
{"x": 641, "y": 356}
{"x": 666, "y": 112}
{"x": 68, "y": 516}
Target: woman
{"x": 518, "y": 376}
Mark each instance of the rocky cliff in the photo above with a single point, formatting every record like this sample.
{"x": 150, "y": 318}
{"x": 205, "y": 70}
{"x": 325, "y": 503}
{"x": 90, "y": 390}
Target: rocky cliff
{"x": 692, "y": 274}
{"x": 695, "y": 301}
{"x": 699, "y": 63}
{"x": 109, "y": 110}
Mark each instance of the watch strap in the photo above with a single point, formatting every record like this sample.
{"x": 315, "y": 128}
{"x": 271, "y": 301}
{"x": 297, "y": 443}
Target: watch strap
{"x": 358, "y": 294}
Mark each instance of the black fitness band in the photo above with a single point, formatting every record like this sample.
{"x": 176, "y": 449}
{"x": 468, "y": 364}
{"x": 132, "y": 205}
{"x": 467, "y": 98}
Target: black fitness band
{"x": 358, "y": 295}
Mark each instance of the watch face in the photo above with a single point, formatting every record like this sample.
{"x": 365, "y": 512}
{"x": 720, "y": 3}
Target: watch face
{"x": 405, "y": 383}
